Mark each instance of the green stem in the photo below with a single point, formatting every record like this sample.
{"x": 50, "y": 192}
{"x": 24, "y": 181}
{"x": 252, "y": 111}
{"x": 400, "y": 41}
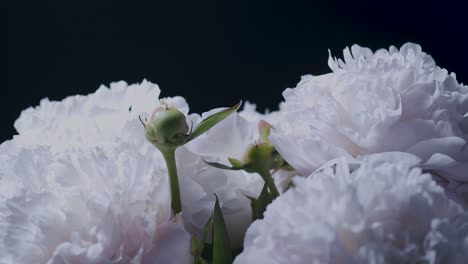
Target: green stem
{"x": 169, "y": 157}
{"x": 266, "y": 175}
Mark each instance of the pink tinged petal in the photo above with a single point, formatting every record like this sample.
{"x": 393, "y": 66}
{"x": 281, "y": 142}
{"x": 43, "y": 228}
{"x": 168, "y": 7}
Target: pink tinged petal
{"x": 450, "y": 83}
{"x": 393, "y": 157}
{"x": 378, "y": 136}
{"x": 456, "y": 173}
{"x": 69, "y": 253}
{"x": 295, "y": 153}
{"x": 349, "y": 139}
{"x": 439, "y": 161}
{"x": 450, "y": 146}
{"x": 172, "y": 246}
{"x": 416, "y": 102}
{"x": 405, "y": 134}
{"x": 411, "y": 50}
{"x": 177, "y": 102}
{"x": 463, "y": 108}
{"x": 405, "y": 79}
{"x": 462, "y": 192}
{"x": 464, "y": 125}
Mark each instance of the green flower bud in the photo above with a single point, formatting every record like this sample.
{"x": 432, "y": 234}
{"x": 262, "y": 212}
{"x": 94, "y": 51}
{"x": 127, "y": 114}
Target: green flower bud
{"x": 261, "y": 158}
{"x": 260, "y": 155}
{"x": 166, "y": 127}
{"x": 263, "y": 154}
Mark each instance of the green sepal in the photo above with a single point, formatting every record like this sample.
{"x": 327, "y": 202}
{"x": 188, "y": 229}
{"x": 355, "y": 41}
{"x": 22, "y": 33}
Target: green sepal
{"x": 260, "y": 204}
{"x": 207, "y": 228}
{"x": 278, "y": 161}
{"x": 211, "y": 121}
{"x": 222, "y": 253}
{"x": 196, "y": 249}
{"x": 248, "y": 167}
{"x": 198, "y": 245}
{"x": 235, "y": 162}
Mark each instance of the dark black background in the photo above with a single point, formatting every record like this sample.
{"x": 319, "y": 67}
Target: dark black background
{"x": 211, "y": 52}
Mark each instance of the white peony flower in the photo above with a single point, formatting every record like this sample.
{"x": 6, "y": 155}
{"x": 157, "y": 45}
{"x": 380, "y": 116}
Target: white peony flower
{"x": 98, "y": 119}
{"x": 390, "y": 100}
{"x": 110, "y": 117}
{"x": 88, "y": 206}
{"x": 382, "y": 212}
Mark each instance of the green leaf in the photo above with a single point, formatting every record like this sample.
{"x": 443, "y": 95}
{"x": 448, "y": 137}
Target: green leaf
{"x": 221, "y": 166}
{"x": 200, "y": 260}
{"x": 222, "y": 253}
{"x": 207, "y": 227}
{"x": 248, "y": 167}
{"x": 198, "y": 245}
{"x": 259, "y": 205}
{"x": 211, "y": 121}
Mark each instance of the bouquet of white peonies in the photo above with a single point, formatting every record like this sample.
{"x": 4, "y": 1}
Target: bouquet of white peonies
{"x": 366, "y": 164}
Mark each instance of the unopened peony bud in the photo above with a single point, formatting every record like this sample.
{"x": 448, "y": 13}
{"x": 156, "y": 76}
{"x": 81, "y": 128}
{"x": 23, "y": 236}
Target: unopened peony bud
{"x": 166, "y": 127}
{"x": 167, "y": 130}
{"x": 263, "y": 154}
{"x": 260, "y": 156}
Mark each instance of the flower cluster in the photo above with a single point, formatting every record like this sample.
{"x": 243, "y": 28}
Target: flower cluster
{"x": 390, "y": 100}
{"x": 365, "y": 164}
{"x": 382, "y": 212}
